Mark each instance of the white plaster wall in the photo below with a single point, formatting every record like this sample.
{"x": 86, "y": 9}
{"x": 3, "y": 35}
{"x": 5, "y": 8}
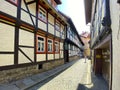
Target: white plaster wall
{"x": 50, "y": 19}
{"x": 26, "y": 38}
{"x": 61, "y": 54}
{"x": 26, "y": 17}
{"x": 61, "y": 45}
{"x": 22, "y": 59}
{"x": 57, "y": 33}
{"x": 115, "y": 17}
{"x": 56, "y": 56}
{"x": 51, "y": 29}
{"x": 32, "y": 7}
{"x": 6, "y": 59}
{"x": 6, "y": 37}
{"x": 8, "y": 8}
{"x": 23, "y": 5}
{"x": 50, "y": 56}
{"x": 41, "y": 57}
{"x": 42, "y": 25}
{"x": 29, "y": 52}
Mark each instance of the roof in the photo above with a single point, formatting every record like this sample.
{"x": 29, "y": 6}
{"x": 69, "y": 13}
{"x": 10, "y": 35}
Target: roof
{"x": 58, "y": 1}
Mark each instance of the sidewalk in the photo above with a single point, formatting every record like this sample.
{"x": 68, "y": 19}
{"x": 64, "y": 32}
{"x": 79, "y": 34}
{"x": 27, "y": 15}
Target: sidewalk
{"x": 76, "y": 75}
{"x": 92, "y": 82}
{"x": 35, "y": 79}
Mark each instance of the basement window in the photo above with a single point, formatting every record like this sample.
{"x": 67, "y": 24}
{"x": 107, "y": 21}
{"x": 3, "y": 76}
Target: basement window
{"x": 40, "y": 66}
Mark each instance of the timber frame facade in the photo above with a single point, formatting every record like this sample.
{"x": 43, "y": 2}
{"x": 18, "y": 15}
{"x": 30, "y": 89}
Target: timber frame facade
{"x": 104, "y": 16}
{"x": 73, "y": 44}
{"x": 29, "y": 22}
{"x": 33, "y": 33}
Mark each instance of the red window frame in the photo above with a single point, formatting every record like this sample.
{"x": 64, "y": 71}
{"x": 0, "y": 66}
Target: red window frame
{"x": 40, "y": 52}
{"x": 14, "y": 2}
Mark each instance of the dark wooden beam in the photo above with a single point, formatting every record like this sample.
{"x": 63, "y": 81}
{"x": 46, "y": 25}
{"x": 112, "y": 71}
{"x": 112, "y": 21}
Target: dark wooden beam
{"x": 31, "y": 2}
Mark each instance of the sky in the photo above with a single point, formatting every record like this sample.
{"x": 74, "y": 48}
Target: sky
{"x": 75, "y": 10}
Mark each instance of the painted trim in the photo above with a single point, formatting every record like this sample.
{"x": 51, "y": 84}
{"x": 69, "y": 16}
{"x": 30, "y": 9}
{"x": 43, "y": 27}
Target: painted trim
{"x": 58, "y": 47}
{"x": 2, "y": 52}
{"x": 50, "y": 52}
{"x": 43, "y": 10}
{"x": 40, "y": 52}
{"x": 14, "y": 3}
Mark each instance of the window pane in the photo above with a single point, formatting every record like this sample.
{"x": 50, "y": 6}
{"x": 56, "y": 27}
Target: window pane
{"x": 50, "y": 45}
{"x": 40, "y": 44}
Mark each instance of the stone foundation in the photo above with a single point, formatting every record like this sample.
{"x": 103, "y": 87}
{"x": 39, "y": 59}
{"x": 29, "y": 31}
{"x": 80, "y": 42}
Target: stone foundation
{"x": 7, "y": 76}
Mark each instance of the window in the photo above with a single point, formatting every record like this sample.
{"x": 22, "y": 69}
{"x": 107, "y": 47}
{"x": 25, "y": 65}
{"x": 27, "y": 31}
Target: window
{"x": 40, "y": 44}
{"x": 56, "y": 46}
{"x": 57, "y": 26}
{"x": 15, "y": 2}
{"x": 50, "y": 45}
{"x": 42, "y": 14}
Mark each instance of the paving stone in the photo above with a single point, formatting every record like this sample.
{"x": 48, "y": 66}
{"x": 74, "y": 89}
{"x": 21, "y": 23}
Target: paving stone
{"x": 28, "y": 81}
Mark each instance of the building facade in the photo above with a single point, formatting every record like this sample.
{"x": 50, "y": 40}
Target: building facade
{"x": 73, "y": 43}
{"x": 32, "y": 37}
{"x": 85, "y": 37}
{"x": 104, "y": 16}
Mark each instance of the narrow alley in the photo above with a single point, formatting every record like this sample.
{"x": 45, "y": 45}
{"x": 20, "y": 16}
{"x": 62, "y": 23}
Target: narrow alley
{"x": 76, "y": 77}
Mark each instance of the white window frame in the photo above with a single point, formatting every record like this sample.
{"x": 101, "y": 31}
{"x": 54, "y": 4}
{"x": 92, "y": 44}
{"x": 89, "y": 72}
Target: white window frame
{"x": 51, "y": 45}
{"x": 40, "y": 44}
{"x": 42, "y": 14}
{"x": 56, "y": 46}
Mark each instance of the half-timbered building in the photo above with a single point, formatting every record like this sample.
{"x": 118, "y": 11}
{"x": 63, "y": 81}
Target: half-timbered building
{"x": 32, "y": 37}
{"x": 104, "y": 16}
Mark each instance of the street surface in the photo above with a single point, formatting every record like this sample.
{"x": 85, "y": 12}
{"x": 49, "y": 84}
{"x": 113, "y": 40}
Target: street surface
{"x": 76, "y": 77}
{"x": 70, "y": 79}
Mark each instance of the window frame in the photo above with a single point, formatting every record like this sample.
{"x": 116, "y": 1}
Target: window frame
{"x": 50, "y": 52}
{"x": 57, "y": 24}
{"x": 13, "y": 2}
{"x": 57, "y": 45}
{"x": 42, "y": 18}
{"x": 44, "y": 51}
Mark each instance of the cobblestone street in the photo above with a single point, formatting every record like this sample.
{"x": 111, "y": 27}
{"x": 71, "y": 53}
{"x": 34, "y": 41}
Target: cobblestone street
{"x": 76, "y": 77}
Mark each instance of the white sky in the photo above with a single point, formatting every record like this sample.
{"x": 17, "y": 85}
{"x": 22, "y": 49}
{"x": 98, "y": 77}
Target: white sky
{"x": 75, "y": 10}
